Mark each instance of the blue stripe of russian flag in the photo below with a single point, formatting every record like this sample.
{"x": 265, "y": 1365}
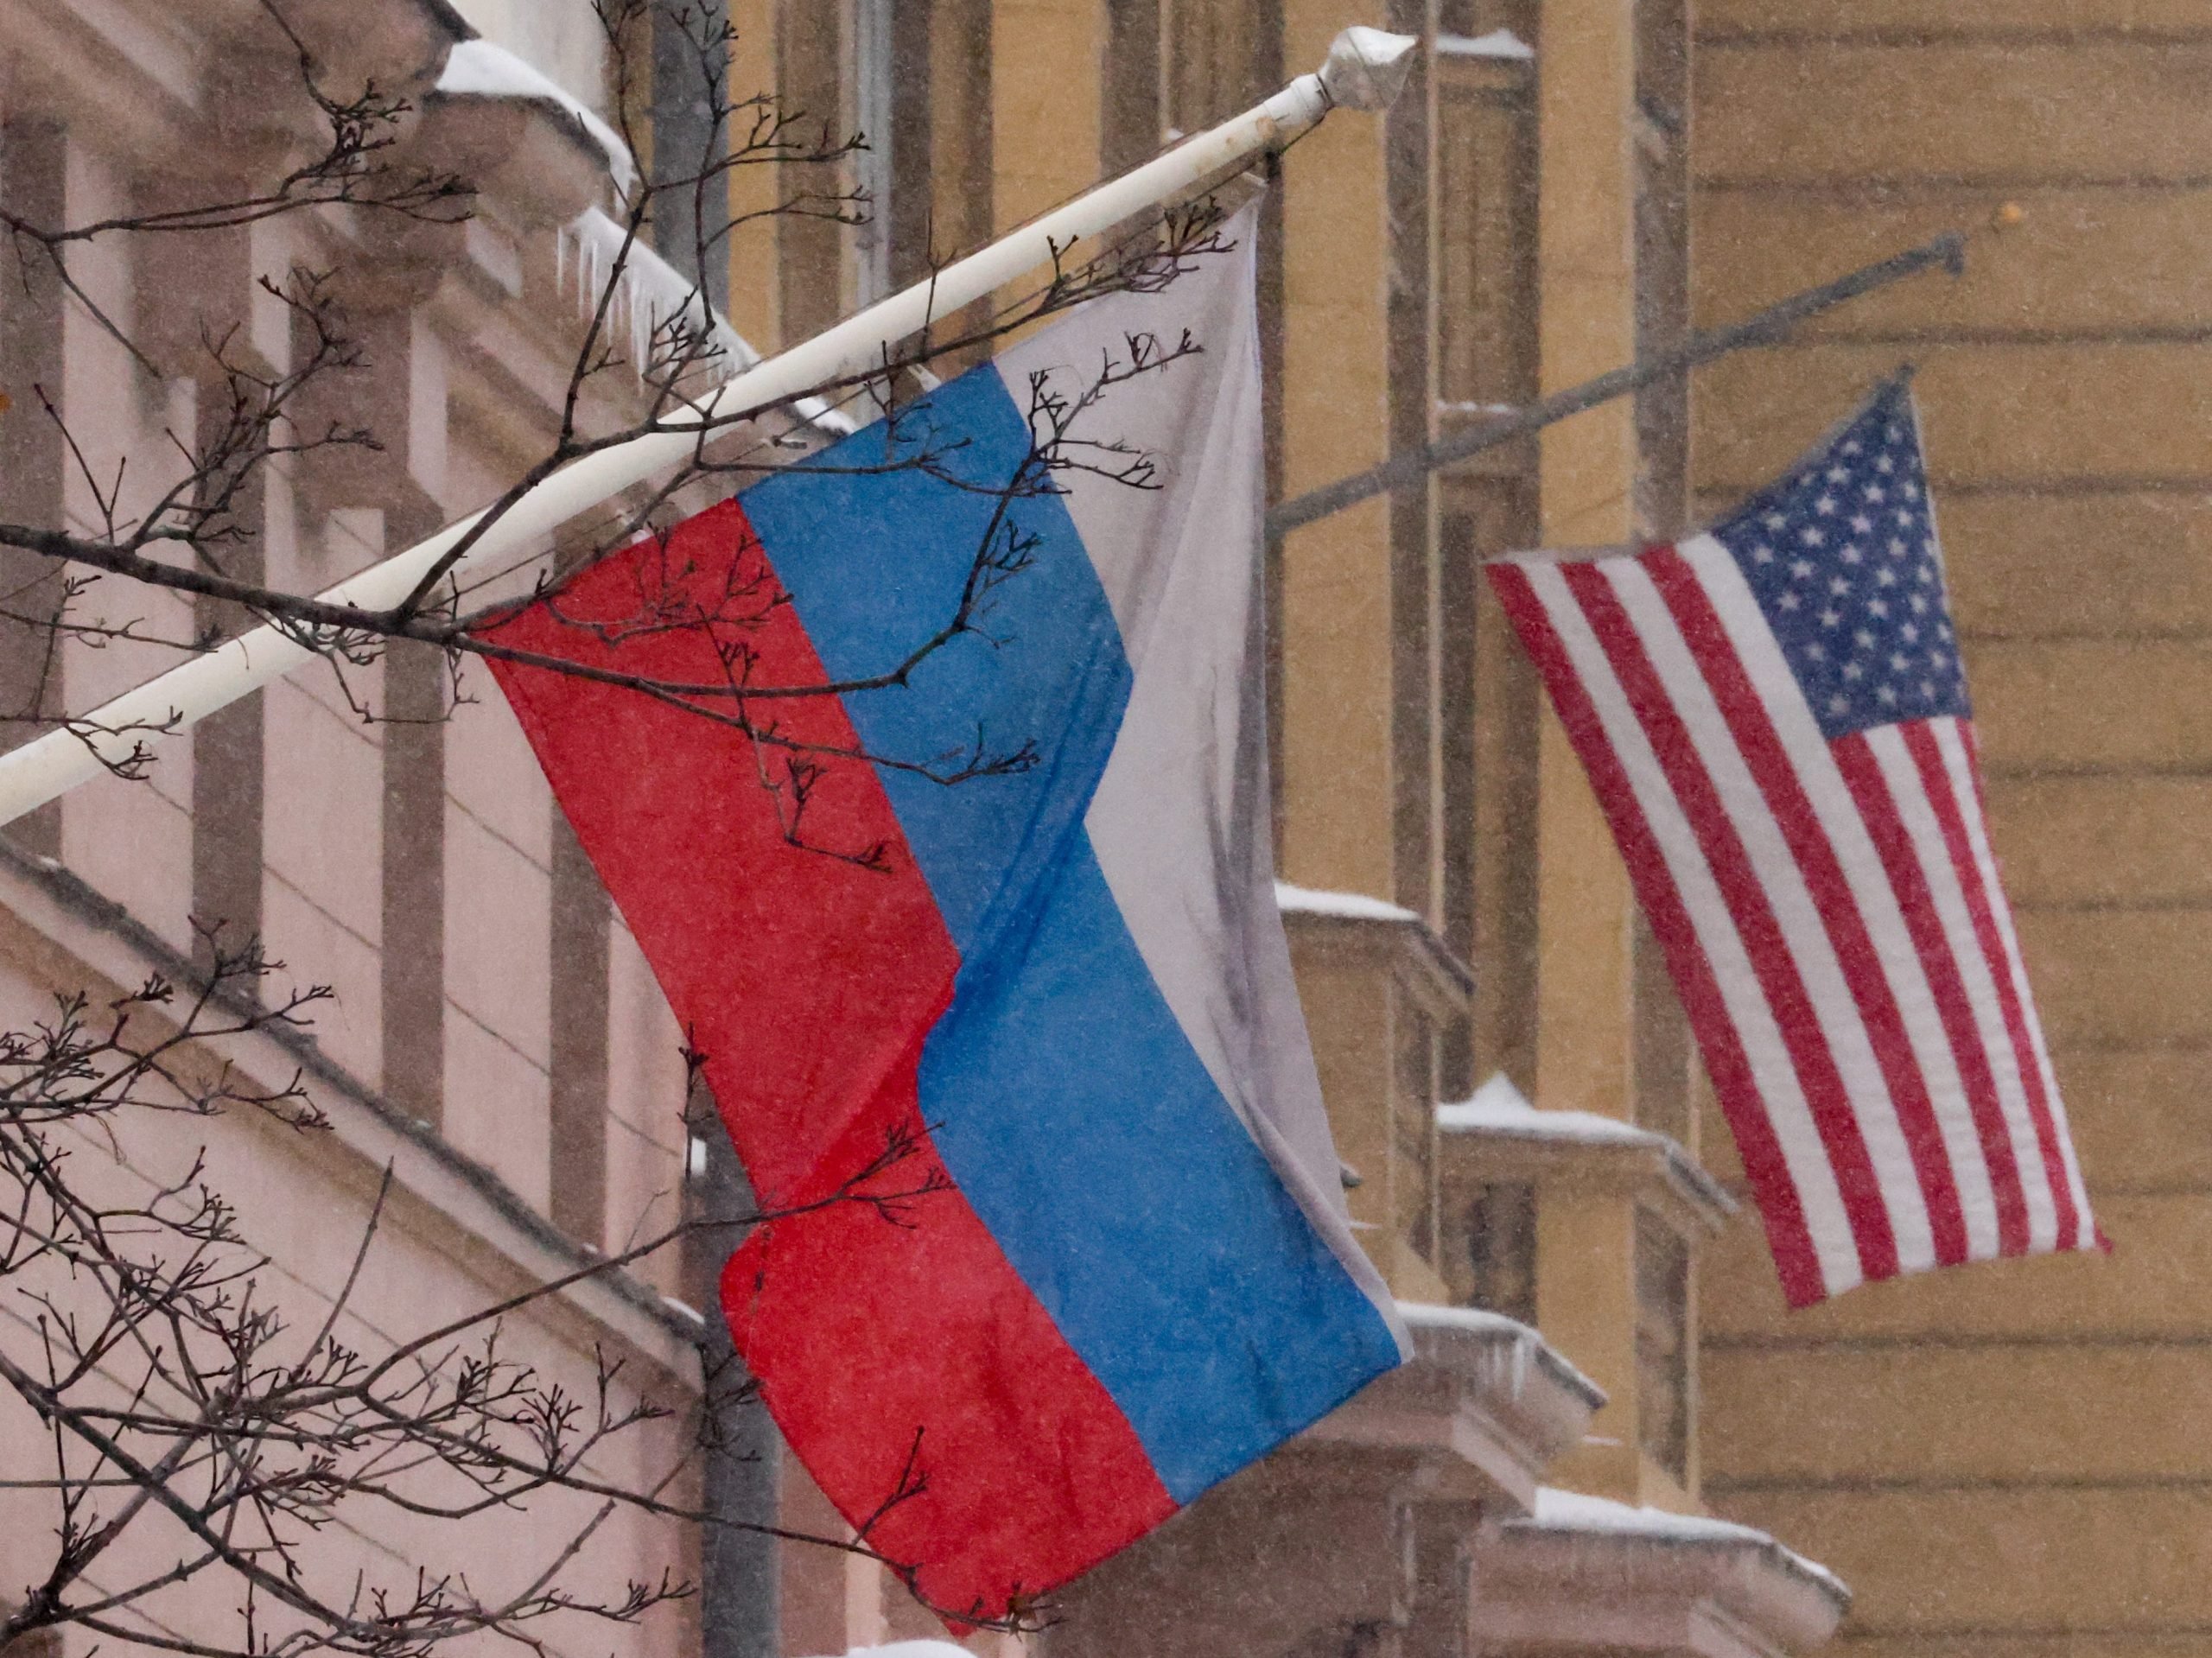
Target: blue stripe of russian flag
{"x": 1070, "y": 1107}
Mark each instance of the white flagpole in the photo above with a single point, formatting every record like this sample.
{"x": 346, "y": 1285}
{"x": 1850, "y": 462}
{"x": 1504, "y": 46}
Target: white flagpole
{"x": 1365, "y": 69}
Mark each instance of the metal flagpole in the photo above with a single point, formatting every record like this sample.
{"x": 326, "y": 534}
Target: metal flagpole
{"x": 1365, "y": 69}
{"x": 1763, "y": 328}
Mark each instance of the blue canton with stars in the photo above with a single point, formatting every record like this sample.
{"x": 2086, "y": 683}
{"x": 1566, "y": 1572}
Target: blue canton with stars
{"x": 1841, "y": 554}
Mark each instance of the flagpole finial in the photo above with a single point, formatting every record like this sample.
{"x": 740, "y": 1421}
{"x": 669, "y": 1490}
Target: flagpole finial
{"x": 1367, "y": 67}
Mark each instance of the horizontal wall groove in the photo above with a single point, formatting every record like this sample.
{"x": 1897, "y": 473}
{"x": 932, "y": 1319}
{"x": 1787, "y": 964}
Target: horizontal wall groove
{"x": 2068, "y": 1632}
{"x": 2113, "y": 906}
{"x": 2046, "y": 486}
{"x": 1877, "y": 187}
{"x": 1947, "y": 334}
{"x": 1971, "y": 636}
{"x": 1922, "y": 1341}
{"x": 1720, "y": 37}
{"x": 1719, "y": 1485}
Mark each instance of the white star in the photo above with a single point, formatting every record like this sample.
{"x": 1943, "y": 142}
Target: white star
{"x": 1928, "y": 689}
{"x": 1762, "y": 554}
{"x": 1912, "y": 633}
{"x": 1854, "y": 448}
{"x": 1909, "y": 490}
{"x": 1811, "y": 537}
{"x": 1904, "y": 517}
{"x": 1887, "y": 577}
{"x": 1789, "y": 600}
{"x": 1889, "y": 698}
{"x": 1851, "y": 555}
{"x": 1800, "y": 567}
{"x": 1839, "y": 587}
{"x": 1816, "y": 650}
{"x": 1944, "y": 628}
{"x": 1853, "y": 670}
{"x": 1937, "y": 659}
{"x": 1898, "y": 549}
{"x": 1875, "y": 492}
{"x": 1884, "y": 464}
{"x": 1893, "y": 431}
{"x": 1878, "y": 607}
{"x": 1775, "y": 520}
{"x": 1826, "y": 504}
{"x": 1839, "y": 703}
{"x": 1899, "y": 661}
{"x": 1861, "y": 523}
{"x": 1829, "y": 617}
{"x": 1865, "y": 640}
{"x": 1925, "y": 575}
{"x": 1919, "y": 603}
{"x": 1837, "y": 474}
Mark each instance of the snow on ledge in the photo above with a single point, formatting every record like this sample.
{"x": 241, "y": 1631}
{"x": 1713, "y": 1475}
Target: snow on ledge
{"x": 1498, "y": 43}
{"x": 1572, "y": 1511}
{"x": 1352, "y": 906}
{"x": 1498, "y": 1108}
{"x": 1428, "y": 1315}
{"x": 481, "y": 69}
{"x": 1529, "y": 1345}
{"x": 651, "y": 292}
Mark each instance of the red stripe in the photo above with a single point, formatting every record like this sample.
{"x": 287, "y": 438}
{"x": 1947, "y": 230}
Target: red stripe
{"x": 1749, "y": 904}
{"x": 809, "y": 984}
{"x": 2088, "y": 1235}
{"x": 1787, "y": 802}
{"x": 1936, "y": 778}
{"x": 1733, "y": 1083}
{"x": 1862, "y": 775}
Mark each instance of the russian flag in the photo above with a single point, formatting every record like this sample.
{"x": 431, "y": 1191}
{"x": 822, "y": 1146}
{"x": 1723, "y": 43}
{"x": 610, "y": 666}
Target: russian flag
{"x": 1039, "y": 1026}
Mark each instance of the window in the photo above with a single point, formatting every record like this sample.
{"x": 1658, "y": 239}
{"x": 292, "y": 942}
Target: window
{"x": 1662, "y": 1345}
{"x": 1661, "y": 1057}
{"x": 1468, "y": 836}
{"x": 1501, "y": 1249}
{"x": 1412, "y": 1116}
{"x": 1661, "y": 137}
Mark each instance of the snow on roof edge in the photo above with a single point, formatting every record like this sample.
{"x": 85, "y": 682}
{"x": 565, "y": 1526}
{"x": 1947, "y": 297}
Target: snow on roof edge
{"x": 1558, "y": 1510}
{"x": 1498, "y": 1107}
{"x": 1430, "y": 1315}
{"x": 1498, "y": 43}
{"x": 483, "y": 68}
{"x": 1355, "y": 906}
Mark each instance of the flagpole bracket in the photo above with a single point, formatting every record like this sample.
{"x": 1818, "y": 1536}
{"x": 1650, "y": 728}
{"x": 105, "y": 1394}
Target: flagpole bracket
{"x": 1367, "y": 67}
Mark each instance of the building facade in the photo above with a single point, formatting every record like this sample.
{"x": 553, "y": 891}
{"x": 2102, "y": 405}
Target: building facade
{"x": 1603, "y": 1364}
{"x": 2004, "y": 1459}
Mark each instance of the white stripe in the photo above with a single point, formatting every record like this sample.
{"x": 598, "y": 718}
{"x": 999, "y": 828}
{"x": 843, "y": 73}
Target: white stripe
{"x": 1837, "y": 812}
{"x": 1917, "y": 813}
{"x": 1802, "y": 1151}
{"x": 1782, "y": 879}
{"x": 1951, "y": 746}
{"x": 1178, "y": 821}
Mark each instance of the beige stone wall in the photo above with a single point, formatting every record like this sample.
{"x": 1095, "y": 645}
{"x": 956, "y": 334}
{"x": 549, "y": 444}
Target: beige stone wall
{"x": 459, "y": 368}
{"x": 2003, "y": 1458}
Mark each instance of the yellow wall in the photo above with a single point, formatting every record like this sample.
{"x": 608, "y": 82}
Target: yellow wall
{"x": 2007, "y": 1458}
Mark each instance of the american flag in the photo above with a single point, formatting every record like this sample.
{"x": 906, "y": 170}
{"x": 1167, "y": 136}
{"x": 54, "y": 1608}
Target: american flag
{"x": 1774, "y": 716}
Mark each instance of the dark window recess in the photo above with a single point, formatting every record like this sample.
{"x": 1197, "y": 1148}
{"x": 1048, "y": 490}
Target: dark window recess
{"x": 1662, "y": 1347}
{"x": 1501, "y": 1222}
{"x": 32, "y": 185}
{"x": 1414, "y": 1126}
{"x": 1466, "y": 798}
{"x": 1662, "y": 263}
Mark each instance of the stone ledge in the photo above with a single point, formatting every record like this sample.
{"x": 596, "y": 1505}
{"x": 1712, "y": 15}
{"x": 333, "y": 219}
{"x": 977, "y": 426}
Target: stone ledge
{"x": 1499, "y": 1138}
{"x": 1485, "y": 1404}
{"x": 1583, "y": 1572}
